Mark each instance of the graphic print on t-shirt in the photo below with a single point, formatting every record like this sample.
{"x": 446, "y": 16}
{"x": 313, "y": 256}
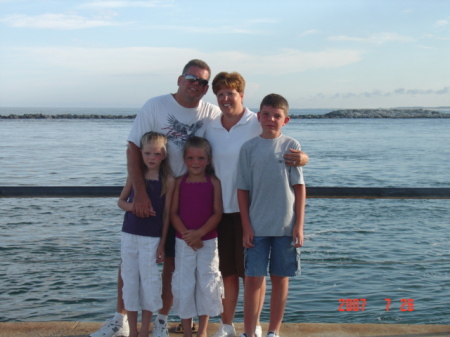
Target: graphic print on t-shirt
{"x": 178, "y": 133}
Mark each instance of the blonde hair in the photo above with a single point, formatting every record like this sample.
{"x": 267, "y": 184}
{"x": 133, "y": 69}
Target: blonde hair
{"x": 201, "y": 143}
{"x": 164, "y": 167}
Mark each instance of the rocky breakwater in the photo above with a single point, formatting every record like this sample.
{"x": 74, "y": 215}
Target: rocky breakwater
{"x": 66, "y": 116}
{"x": 380, "y": 113}
{"x": 347, "y": 113}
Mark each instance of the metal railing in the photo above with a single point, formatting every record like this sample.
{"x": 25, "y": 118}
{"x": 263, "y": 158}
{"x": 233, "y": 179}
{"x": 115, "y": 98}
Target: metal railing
{"x": 312, "y": 192}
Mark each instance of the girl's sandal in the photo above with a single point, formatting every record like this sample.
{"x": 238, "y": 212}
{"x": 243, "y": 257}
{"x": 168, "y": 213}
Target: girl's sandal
{"x": 179, "y": 328}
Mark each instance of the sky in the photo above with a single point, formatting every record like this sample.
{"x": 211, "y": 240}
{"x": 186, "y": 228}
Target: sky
{"x": 316, "y": 53}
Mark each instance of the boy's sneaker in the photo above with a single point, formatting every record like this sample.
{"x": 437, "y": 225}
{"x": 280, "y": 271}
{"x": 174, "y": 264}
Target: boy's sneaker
{"x": 258, "y": 331}
{"x": 244, "y": 335}
{"x": 160, "y": 328}
{"x": 225, "y": 330}
{"x": 272, "y": 334}
{"x": 113, "y": 328}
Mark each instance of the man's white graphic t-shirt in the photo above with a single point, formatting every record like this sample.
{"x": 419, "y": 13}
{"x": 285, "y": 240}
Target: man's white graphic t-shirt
{"x": 163, "y": 114}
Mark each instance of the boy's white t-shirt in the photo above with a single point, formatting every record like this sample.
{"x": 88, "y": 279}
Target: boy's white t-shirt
{"x": 262, "y": 172}
{"x": 163, "y": 114}
{"x": 226, "y": 146}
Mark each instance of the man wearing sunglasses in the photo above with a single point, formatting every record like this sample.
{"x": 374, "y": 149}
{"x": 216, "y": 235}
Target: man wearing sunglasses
{"x": 178, "y": 116}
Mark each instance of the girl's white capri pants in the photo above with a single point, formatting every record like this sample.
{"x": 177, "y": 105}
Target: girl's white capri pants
{"x": 140, "y": 273}
{"x": 197, "y": 284}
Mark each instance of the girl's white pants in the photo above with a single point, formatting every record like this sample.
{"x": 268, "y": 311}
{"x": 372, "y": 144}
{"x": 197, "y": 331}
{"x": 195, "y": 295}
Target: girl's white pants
{"x": 140, "y": 273}
{"x": 197, "y": 284}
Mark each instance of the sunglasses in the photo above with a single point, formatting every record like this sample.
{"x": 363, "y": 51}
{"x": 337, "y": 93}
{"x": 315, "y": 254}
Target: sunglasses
{"x": 192, "y": 79}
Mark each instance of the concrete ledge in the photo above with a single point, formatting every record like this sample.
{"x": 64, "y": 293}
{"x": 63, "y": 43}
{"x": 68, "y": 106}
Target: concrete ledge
{"x": 83, "y": 329}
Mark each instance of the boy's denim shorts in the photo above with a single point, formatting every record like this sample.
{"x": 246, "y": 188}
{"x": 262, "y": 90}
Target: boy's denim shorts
{"x": 275, "y": 252}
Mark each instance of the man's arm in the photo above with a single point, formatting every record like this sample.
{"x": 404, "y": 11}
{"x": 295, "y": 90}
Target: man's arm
{"x": 142, "y": 206}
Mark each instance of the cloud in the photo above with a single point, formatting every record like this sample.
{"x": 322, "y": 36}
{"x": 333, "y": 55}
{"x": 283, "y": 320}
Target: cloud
{"x": 258, "y": 21}
{"x": 223, "y": 26}
{"x": 442, "y": 91}
{"x": 434, "y": 37}
{"x": 441, "y": 23}
{"x": 55, "y": 21}
{"x": 397, "y": 92}
{"x": 287, "y": 61}
{"x": 127, "y": 4}
{"x": 379, "y": 38}
{"x": 79, "y": 73}
{"x": 205, "y": 30}
{"x": 309, "y": 32}
{"x": 139, "y": 60}
{"x": 425, "y": 47}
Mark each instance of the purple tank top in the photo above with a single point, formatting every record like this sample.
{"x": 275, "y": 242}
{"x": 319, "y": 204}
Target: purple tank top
{"x": 196, "y": 205}
{"x": 151, "y": 226}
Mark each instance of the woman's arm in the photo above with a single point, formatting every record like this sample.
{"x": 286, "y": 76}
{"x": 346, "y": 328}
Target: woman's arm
{"x": 296, "y": 158}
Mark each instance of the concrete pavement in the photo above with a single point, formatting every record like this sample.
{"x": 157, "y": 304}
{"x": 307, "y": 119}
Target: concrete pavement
{"x": 83, "y": 329}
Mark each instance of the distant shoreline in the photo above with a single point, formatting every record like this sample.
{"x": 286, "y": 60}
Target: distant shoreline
{"x": 66, "y": 116}
{"x": 345, "y": 113}
{"x": 379, "y": 113}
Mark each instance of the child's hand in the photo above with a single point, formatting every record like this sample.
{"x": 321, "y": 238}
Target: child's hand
{"x": 191, "y": 236}
{"x": 297, "y": 238}
{"x": 196, "y": 245}
{"x": 247, "y": 238}
{"x": 160, "y": 254}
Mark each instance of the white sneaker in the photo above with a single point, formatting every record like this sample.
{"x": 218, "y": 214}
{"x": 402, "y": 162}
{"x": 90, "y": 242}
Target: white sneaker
{"x": 160, "y": 328}
{"x": 272, "y": 334}
{"x": 225, "y": 330}
{"x": 258, "y": 331}
{"x": 113, "y": 328}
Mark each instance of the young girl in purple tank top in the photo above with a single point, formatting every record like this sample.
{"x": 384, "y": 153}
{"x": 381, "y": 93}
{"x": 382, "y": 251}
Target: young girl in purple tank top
{"x": 142, "y": 241}
{"x": 195, "y": 212}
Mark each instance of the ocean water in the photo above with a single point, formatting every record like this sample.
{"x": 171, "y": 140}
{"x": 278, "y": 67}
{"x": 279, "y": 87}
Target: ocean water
{"x": 364, "y": 261}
